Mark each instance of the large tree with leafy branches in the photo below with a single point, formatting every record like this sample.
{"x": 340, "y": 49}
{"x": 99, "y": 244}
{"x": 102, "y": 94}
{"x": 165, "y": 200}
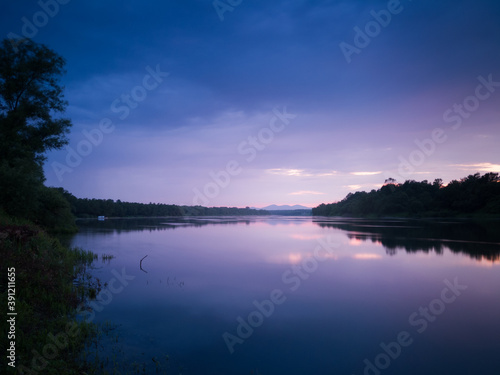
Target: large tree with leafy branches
{"x": 31, "y": 122}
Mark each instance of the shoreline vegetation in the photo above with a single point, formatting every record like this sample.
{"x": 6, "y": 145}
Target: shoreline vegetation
{"x": 49, "y": 287}
{"x": 47, "y": 338}
{"x": 84, "y": 208}
{"x": 474, "y": 196}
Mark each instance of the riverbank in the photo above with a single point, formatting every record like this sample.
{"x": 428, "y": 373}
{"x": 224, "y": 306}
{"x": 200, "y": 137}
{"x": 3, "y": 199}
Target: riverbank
{"x": 40, "y": 301}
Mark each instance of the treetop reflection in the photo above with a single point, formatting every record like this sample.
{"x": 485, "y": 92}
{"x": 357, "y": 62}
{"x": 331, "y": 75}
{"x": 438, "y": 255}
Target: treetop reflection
{"x": 477, "y": 239}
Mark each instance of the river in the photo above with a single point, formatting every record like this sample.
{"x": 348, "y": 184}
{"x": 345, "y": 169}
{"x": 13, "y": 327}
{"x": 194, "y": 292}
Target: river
{"x": 297, "y": 295}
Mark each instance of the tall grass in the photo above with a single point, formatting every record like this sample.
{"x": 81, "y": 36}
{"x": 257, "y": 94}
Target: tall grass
{"x": 45, "y": 297}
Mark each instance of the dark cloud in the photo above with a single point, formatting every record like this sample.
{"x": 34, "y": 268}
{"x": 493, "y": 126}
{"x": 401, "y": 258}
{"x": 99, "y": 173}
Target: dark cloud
{"x": 263, "y": 55}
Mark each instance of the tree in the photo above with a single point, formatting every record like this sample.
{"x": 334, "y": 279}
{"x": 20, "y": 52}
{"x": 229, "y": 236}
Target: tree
{"x": 438, "y": 183}
{"x": 472, "y": 195}
{"x": 390, "y": 180}
{"x": 31, "y": 101}
{"x": 54, "y": 211}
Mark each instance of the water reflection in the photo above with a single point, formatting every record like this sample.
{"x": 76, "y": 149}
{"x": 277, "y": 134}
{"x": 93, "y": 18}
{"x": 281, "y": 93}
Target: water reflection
{"x": 194, "y": 277}
{"x": 478, "y": 239}
{"x": 174, "y": 222}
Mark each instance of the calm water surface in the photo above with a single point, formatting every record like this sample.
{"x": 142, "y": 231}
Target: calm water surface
{"x": 295, "y": 295}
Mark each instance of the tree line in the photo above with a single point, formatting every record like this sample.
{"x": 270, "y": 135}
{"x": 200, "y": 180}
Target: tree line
{"x": 220, "y": 211}
{"x": 85, "y": 208}
{"x": 92, "y": 208}
{"x": 471, "y": 195}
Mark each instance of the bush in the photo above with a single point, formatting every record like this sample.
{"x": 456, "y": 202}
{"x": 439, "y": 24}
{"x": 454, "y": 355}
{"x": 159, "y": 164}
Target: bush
{"x": 53, "y": 212}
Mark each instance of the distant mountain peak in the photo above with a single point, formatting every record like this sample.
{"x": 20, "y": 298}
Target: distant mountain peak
{"x": 285, "y": 207}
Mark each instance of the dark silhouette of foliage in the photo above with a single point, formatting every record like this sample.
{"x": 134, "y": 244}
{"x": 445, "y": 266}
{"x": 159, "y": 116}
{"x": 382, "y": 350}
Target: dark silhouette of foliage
{"x": 31, "y": 100}
{"x": 220, "y": 211}
{"x": 472, "y": 195}
{"x": 30, "y": 97}
{"x": 86, "y": 208}
{"x": 91, "y": 208}
{"x": 479, "y": 239}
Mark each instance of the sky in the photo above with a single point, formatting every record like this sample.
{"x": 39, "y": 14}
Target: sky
{"x": 251, "y": 103}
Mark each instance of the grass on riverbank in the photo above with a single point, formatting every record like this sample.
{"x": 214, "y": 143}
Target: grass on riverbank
{"x": 52, "y": 283}
{"x": 48, "y": 340}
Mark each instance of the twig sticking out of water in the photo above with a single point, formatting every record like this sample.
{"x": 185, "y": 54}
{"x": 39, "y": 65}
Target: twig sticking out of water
{"x": 140, "y": 264}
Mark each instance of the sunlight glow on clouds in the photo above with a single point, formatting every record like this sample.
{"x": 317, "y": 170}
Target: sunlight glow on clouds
{"x": 480, "y": 167}
{"x": 365, "y": 173}
{"x": 295, "y": 258}
{"x": 300, "y": 172}
{"x": 306, "y": 192}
